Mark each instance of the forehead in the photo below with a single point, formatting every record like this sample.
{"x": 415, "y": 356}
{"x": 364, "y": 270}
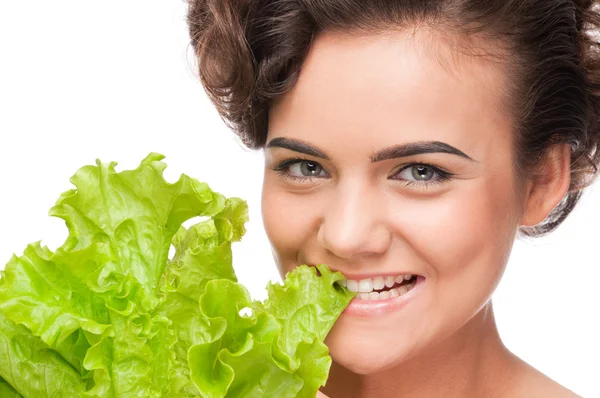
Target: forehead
{"x": 401, "y": 86}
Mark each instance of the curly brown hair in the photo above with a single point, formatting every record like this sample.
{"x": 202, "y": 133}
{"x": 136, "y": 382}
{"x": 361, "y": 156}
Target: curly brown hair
{"x": 251, "y": 52}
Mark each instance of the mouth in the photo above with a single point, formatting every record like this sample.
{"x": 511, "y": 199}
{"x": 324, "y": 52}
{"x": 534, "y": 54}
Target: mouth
{"x": 381, "y": 287}
{"x": 381, "y": 295}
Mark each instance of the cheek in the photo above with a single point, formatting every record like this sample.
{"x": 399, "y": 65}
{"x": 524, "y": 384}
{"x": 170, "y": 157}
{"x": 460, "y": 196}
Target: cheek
{"x": 465, "y": 236}
{"x": 289, "y": 220}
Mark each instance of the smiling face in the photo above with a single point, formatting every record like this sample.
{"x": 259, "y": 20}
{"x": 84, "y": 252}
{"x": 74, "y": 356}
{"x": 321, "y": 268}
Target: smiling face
{"x": 405, "y": 167}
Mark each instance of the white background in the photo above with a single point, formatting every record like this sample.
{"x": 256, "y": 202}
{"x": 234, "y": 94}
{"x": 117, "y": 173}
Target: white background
{"x": 115, "y": 80}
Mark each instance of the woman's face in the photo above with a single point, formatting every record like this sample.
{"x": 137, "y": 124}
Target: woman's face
{"x": 446, "y": 211}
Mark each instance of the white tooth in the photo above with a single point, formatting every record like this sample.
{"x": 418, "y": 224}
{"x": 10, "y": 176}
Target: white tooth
{"x": 394, "y": 293}
{"x": 352, "y": 285}
{"x": 384, "y": 295}
{"x": 365, "y": 285}
{"x": 378, "y": 282}
{"x": 373, "y": 296}
{"x": 343, "y": 283}
{"x": 363, "y": 296}
{"x": 407, "y": 276}
{"x": 390, "y": 281}
{"x": 402, "y": 290}
{"x": 400, "y": 279}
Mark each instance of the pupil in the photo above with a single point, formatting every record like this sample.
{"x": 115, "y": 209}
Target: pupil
{"x": 422, "y": 172}
{"x": 309, "y": 168}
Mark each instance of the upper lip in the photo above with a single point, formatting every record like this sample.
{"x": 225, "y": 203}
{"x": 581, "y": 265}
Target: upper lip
{"x": 358, "y": 277}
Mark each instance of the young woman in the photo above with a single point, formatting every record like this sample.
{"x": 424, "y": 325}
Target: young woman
{"x": 407, "y": 144}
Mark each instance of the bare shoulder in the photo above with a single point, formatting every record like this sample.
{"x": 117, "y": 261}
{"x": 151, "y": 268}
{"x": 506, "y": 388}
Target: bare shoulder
{"x": 532, "y": 384}
{"x": 550, "y": 388}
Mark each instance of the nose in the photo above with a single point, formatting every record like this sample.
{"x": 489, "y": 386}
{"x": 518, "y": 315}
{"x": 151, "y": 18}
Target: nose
{"x": 354, "y": 223}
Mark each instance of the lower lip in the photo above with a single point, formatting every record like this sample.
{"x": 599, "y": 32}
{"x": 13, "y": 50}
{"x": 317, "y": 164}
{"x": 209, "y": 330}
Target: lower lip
{"x": 368, "y": 308}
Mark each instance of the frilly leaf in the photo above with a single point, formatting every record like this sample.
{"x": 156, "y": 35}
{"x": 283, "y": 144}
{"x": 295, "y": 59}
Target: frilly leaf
{"x": 110, "y": 315}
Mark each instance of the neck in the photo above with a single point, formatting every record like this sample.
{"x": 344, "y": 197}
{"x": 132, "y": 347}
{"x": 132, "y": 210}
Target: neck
{"x": 471, "y": 362}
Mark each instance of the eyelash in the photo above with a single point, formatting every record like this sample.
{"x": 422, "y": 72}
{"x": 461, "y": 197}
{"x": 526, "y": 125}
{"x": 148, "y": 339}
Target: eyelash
{"x": 443, "y": 176}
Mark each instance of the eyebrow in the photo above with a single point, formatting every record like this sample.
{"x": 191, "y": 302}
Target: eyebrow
{"x": 393, "y": 152}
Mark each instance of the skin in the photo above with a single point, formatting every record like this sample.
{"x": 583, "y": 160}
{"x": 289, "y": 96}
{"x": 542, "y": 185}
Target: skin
{"x": 357, "y": 95}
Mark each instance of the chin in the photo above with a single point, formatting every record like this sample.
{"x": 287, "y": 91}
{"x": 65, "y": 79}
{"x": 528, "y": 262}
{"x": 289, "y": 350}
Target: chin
{"x": 363, "y": 354}
{"x": 362, "y": 365}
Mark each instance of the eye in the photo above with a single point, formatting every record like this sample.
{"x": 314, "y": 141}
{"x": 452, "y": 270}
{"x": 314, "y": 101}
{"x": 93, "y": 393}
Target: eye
{"x": 305, "y": 168}
{"x": 421, "y": 174}
{"x": 300, "y": 169}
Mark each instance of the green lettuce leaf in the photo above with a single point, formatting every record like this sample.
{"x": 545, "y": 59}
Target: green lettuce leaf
{"x": 109, "y": 314}
{"x": 277, "y": 350}
{"x": 6, "y": 391}
{"x": 29, "y": 368}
